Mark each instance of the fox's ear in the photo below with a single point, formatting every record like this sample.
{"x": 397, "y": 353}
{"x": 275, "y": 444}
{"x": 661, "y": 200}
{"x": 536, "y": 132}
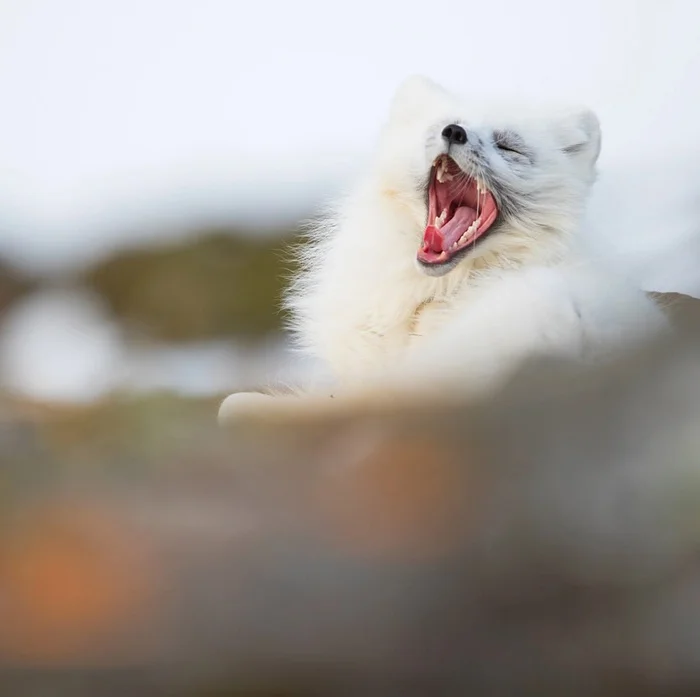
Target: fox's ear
{"x": 579, "y": 135}
{"x": 414, "y": 95}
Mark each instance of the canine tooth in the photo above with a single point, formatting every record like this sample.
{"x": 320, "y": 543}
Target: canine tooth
{"x": 437, "y": 222}
{"x": 443, "y": 216}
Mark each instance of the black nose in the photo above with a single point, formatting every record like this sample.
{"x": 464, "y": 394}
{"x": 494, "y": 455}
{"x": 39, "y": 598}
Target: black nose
{"x": 454, "y": 134}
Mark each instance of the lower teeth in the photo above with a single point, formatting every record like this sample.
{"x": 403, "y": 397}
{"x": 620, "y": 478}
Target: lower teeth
{"x": 470, "y": 231}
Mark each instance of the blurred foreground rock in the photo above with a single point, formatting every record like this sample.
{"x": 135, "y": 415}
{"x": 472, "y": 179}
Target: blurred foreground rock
{"x": 544, "y": 543}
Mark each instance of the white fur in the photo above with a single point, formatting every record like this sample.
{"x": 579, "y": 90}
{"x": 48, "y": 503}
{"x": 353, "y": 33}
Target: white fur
{"x": 365, "y": 308}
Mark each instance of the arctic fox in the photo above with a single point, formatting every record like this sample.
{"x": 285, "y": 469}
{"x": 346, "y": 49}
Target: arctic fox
{"x": 454, "y": 259}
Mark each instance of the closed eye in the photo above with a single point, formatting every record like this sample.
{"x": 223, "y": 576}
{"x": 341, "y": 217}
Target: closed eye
{"x": 507, "y": 148}
{"x": 510, "y": 142}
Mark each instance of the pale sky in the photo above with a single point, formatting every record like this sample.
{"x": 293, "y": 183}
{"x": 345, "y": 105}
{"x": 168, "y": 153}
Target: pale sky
{"x": 124, "y": 115}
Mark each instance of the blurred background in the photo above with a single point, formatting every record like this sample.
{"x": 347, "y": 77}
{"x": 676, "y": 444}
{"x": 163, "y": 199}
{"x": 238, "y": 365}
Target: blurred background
{"x": 158, "y": 156}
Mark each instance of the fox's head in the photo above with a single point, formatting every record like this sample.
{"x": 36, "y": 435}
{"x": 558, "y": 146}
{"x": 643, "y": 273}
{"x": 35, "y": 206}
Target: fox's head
{"x": 484, "y": 182}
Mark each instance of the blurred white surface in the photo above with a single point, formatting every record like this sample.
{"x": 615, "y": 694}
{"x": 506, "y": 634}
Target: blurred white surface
{"x": 63, "y": 346}
{"x": 60, "y": 346}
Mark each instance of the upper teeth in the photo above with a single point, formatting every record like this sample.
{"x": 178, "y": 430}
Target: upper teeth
{"x": 442, "y": 174}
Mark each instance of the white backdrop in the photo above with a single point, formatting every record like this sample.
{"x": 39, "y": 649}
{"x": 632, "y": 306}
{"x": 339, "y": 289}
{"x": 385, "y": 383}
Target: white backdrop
{"x": 119, "y": 116}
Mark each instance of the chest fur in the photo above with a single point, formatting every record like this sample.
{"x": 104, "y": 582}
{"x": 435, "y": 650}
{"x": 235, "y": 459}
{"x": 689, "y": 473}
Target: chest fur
{"x": 429, "y": 317}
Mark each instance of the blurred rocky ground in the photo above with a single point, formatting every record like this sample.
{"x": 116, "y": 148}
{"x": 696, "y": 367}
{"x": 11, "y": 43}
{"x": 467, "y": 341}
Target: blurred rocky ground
{"x": 542, "y": 542}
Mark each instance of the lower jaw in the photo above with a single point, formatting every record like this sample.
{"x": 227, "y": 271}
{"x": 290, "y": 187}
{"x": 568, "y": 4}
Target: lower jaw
{"x": 442, "y": 268}
{"x": 439, "y": 269}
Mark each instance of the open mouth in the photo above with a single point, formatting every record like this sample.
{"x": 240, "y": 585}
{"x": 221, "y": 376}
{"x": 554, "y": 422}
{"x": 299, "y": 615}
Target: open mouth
{"x": 460, "y": 212}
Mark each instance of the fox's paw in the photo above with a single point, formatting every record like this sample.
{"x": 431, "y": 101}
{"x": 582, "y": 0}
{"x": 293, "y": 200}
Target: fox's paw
{"x": 282, "y": 410}
{"x": 315, "y": 409}
{"x": 244, "y": 406}
{"x": 254, "y": 408}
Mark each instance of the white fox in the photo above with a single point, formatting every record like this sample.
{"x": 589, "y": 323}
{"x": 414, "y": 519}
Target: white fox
{"x": 454, "y": 259}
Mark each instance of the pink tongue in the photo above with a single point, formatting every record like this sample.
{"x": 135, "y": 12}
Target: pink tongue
{"x": 442, "y": 239}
